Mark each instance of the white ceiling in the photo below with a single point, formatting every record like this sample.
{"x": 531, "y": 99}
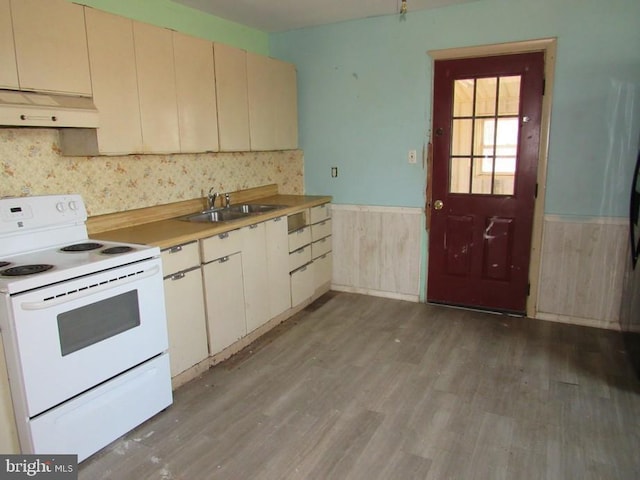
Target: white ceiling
{"x": 282, "y": 15}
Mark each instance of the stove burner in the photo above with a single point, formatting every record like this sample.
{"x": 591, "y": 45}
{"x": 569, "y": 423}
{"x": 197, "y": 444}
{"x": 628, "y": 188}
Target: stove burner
{"x": 4, "y": 264}
{"x": 81, "y": 247}
{"x": 116, "y": 250}
{"x": 21, "y": 270}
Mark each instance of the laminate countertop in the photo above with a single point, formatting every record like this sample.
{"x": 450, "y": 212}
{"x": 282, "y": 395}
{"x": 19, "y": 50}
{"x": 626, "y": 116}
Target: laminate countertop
{"x": 168, "y": 232}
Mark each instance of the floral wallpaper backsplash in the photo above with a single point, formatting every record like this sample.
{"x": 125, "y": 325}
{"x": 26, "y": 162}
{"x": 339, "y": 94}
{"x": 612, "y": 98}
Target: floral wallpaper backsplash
{"x": 31, "y": 164}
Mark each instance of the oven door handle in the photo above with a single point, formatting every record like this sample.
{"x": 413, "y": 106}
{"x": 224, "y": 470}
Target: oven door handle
{"x": 89, "y": 291}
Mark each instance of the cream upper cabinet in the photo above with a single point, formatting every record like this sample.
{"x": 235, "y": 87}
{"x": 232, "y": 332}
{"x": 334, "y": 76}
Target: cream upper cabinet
{"x": 8, "y": 67}
{"x": 115, "y": 84}
{"x": 196, "y": 93}
{"x": 273, "y": 107}
{"x": 233, "y": 106}
{"x": 156, "y": 88}
{"x": 51, "y": 46}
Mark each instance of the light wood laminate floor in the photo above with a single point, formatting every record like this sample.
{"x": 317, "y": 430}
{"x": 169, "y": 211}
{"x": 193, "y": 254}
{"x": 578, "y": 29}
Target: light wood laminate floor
{"x": 358, "y": 387}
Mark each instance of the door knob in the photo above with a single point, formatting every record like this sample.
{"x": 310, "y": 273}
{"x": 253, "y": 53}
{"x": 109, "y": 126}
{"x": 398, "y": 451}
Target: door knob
{"x": 438, "y": 204}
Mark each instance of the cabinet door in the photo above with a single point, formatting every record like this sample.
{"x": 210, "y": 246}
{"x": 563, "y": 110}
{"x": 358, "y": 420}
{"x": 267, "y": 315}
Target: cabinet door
{"x": 186, "y": 322}
{"x": 114, "y": 82}
{"x": 273, "y": 107}
{"x": 302, "y": 284}
{"x": 196, "y": 93}
{"x": 51, "y": 46}
{"x": 8, "y": 68}
{"x": 224, "y": 299}
{"x": 233, "y": 105}
{"x": 156, "y": 88}
{"x": 322, "y": 270}
{"x": 278, "y": 266}
{"x": 254, "y": 269}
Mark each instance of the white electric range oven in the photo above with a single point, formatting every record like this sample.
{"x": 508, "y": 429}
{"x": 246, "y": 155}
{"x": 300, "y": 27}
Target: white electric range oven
{"x": 83, "y": 325}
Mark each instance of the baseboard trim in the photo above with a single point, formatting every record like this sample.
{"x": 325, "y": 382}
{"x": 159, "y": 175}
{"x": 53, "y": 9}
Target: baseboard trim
{"x": 376, "y": 293}
{"x": 585, "y": 322}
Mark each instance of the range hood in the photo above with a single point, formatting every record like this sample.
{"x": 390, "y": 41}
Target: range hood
{"x": 29, "y": 109}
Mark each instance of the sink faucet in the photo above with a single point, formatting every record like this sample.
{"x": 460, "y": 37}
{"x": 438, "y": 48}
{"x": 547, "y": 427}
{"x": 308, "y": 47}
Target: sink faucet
{"x": 211, "y": 198}
{"x": 227, "y": 200}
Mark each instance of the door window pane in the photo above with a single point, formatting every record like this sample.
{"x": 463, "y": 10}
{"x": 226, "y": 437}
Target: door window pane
{"x": 486, "y": 91}
{"x": 509, "y": 97}
{"x": 460, "y": 175}
{"x": 463, "y": 98}
{"x": 481, "y": 182}
{"x": 461, "y": 137}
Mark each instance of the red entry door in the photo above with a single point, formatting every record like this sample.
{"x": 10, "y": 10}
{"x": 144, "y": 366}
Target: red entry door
{"x": 486, "y": 136}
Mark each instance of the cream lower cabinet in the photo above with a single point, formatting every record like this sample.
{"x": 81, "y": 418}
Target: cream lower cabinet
{"x": 8, "y": 433}
{"x": 277, "y": 266}
{"x": 255, "y": 275}
{"x": 184, "y": 302}
{"x": 224, "y": 289}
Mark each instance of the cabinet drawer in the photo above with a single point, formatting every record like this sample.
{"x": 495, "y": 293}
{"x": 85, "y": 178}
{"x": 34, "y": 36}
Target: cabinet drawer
{"x": 302, "y": 284}
{"x": 179, "y": 257}
{"x": 322, "y": 270}
{"x": 320, "y": 247}
{"x": 221, "y": 245}
{"x": 319, "y": 213}
{"x": 321, "y": 230}
{"x": 299, "y": 238}
{"x": 299, "y": 257}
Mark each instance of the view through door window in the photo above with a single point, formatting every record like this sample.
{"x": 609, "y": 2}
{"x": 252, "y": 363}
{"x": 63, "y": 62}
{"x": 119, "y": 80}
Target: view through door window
{"x": 484, "y": 142}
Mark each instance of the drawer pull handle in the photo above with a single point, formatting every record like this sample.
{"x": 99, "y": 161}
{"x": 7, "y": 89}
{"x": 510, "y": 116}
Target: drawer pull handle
{"x": 223, "y": 260}
{"x": 278, "y": 219}
{"x": 177, "y": 276}
{"x": 255, "y": 225}
{"x": 300, "y": 231}
{"x": 224, "y": 235}
{"x": 175, "y": 249}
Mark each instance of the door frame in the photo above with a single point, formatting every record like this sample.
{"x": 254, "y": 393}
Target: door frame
{"x": 548, "y": 46}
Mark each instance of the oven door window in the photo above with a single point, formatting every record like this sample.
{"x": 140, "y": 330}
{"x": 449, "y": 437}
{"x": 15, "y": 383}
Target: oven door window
{"x": 90, "y": 324}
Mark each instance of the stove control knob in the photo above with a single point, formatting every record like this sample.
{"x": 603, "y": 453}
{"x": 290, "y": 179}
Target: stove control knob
{"x": 61, "y": 207}
{"x": 73, "y": 205}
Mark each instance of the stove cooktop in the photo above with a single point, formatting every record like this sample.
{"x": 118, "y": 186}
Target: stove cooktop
{"x": 65, "y": 264}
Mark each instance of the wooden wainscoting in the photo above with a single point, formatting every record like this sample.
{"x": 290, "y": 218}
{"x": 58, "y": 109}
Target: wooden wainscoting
{"x": 377, "y": 250}
{"x": 582, "y": 270}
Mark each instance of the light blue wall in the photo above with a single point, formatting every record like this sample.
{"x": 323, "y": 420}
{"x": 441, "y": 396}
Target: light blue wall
{"x": 365, "y": 97}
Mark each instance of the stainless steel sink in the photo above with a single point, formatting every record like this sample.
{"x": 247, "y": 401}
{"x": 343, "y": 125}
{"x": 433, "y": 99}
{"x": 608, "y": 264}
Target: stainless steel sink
{"x": 249, "y": 208}
{"x": 228, "y": 214}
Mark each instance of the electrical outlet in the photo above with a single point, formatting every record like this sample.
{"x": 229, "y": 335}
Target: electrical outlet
{"x": 413, "y": 156}
{"x": 334, "y": 172}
